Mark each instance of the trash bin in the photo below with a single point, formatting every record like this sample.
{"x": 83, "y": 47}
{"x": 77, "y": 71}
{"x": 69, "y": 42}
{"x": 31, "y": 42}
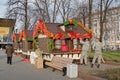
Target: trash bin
{"x": 72, "y": 70}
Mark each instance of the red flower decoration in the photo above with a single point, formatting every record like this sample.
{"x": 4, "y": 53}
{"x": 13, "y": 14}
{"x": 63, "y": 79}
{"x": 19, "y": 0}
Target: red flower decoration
{"x": 72, "y": 34}
{"x": 59, "y": 35}
{"x": 13, "y": 37}
{"x": 87, "y": 35}
{"x": 78, "y": 35}
{"x": 34, "y": 33}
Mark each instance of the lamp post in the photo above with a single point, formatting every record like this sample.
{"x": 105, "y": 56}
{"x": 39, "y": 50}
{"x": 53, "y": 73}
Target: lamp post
{"x": 105, "y": 39}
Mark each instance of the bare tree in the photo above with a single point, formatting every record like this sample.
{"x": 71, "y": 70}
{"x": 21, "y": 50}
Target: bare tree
{"x": 65, "y": 9}
{"x": 103, "y": 11}
{"x": 54, "y": 12}
{"x": 46, "y": 7}
{"x": 48, "y": 10}
{"x": 80, "y": 10}
{"x": 38, "y": 9}
{"x": 84, "y": 11}
{"x": 90, "y": 12}
{"x": 18, "y": 9}
{"x": 26, "y": 12}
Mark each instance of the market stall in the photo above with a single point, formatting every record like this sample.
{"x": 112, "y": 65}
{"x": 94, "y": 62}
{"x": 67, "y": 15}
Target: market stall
{"x": 61, "y": 39}
{"x": 27, "y": 41}
{"x": 23, "y": 43}
{"x": 16, "y": 43}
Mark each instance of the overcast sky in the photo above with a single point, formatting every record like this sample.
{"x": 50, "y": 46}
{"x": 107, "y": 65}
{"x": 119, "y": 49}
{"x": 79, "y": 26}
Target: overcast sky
{"x": 3, "y": 6}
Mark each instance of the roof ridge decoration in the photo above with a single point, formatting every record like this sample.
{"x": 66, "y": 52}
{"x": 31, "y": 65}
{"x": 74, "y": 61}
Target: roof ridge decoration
{"x": 59, "y": 35}
{"x": 22, "y": 35}
{"x": 70, "y": 21}
{"x": 14, "y": 37}
{"x": 72, "y": 34}
{"x": 40, "y": 27}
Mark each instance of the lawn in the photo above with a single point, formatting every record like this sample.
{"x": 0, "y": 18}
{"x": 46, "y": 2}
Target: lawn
{"x": 109, "y": 74}
{"x": 109, "y": 56}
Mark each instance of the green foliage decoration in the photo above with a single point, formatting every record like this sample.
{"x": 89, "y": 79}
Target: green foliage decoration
{"x": 75, "y": 22}
{"x": 50, "y": 44}
{"x": 66, "y": 23}
{"x": 29, "y": 39}
{"x": 34, "y": 47}
{"x": 38, "y": 52}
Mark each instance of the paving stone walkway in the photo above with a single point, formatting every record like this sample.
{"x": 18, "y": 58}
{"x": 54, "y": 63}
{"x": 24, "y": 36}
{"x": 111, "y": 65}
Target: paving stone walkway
{"x": 25, "y": 71}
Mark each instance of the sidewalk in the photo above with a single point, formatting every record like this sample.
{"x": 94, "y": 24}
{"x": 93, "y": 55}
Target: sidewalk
{"x": 25, "y": 71}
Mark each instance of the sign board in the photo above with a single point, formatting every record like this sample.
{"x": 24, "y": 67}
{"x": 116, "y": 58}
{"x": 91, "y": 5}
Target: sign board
{"x": 4, "y": 31}
{"x": 117, "y": 42}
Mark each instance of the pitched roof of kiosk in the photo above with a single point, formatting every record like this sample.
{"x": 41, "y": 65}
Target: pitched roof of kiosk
{"x": 7, "y": 22}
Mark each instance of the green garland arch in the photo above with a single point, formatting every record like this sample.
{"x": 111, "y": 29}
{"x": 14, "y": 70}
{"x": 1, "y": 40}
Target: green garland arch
{"x": 73, "y": 22}
{"x": 76, "y": 23}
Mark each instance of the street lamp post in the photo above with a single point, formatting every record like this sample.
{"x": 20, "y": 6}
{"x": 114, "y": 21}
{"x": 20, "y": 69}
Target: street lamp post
{"x": 105, "y": 39}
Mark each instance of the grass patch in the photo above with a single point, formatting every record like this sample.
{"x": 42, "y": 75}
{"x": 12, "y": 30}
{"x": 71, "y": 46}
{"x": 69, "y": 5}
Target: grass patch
{"x": 112, "y": 56}
{"x": 108, "y": 56}
{"x": 110, "y": 74}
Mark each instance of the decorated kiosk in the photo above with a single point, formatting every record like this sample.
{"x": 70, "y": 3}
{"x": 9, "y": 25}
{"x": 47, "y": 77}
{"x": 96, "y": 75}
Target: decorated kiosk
{"x": 16, "y": 43}
{"x": 26, "y": 40}
{"x": 53, "y": 39}
{"x": 23, "y": 43}
{"x": 61, "y": 39}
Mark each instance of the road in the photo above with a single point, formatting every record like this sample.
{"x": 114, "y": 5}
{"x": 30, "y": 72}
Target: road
{"x": 25, "y": 71}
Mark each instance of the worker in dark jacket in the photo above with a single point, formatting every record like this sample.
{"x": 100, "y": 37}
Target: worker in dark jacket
{"x": 9, "y": 52}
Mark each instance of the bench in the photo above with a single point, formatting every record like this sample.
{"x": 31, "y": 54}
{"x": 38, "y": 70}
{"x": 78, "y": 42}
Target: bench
{"x": 59, "y": 63}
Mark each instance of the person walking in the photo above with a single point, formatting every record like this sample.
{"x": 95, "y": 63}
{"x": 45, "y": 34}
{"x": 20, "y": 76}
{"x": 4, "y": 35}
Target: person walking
{"x": 85, "y": 49}
{"x": 98, "y": 53}
{"x": 9, "y": 52}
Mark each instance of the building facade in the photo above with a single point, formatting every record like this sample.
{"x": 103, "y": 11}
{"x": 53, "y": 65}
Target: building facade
{"x": 111, "y": 36}
{"x": 6, "y": 30}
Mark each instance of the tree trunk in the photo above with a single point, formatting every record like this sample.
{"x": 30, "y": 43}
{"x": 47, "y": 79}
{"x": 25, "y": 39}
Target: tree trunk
{"x": 90, "y": 17}
{"x": 84, "y": 22}
{"x": 101, "y": 22}
{"x": 54, "y": 12}
{"x": 47, "y": 11}
{"x": 26, "y": 23}
{"x": 90, "y": 13}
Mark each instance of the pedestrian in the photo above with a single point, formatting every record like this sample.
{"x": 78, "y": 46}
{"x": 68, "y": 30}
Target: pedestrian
{"x": 98, "y": 53}
{"x": 85, "y": 50}
{"x": 9, "y": 52}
